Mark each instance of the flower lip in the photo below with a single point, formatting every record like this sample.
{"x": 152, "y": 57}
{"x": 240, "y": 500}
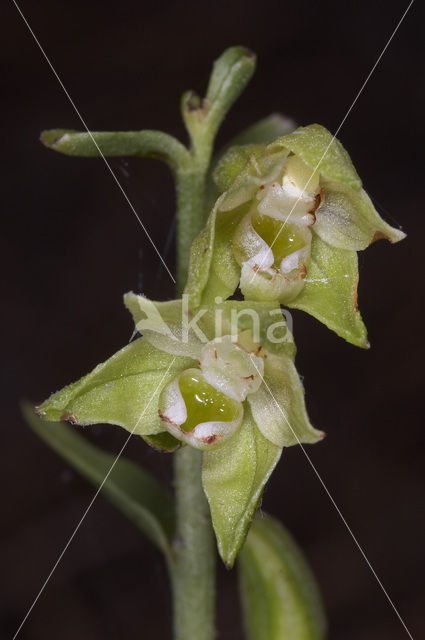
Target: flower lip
{"x": 195, "y": 412}
{"x": 289, "y": 243}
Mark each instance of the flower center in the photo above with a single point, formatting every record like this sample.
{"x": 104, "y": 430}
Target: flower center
{"x": 281, "y": 237}
{"x": 204, "y": 403}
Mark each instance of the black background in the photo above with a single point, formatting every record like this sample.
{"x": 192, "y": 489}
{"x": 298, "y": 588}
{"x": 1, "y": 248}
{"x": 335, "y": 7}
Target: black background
{"x": 71, "y": 247}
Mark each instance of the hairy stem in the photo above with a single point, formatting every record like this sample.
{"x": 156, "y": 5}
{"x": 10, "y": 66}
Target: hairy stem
{"x": 193, "y": 566}
{"x": 190, "y": 186}
{"x": 193, "y": 574}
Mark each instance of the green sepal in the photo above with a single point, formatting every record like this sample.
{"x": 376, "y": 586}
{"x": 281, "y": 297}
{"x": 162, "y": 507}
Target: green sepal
{"x": 279, "y": 595}
{"x": 213, "y": 270}
{"x": 318, "y": 148}
{"x": 147, "y": 143}
{"x": 130, "y": 488}
{"x": 123, "y": 391}
{"x": 232, "y": 163}
{"x": 347, "y": 219}
{"x": 234, "y": 478}
{"x": 278, "y": 407}
{"x": 260, "y": 133}
{"x": 330, "y": 292}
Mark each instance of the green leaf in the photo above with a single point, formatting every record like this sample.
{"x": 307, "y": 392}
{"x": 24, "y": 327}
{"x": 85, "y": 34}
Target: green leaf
{"x": 234, "y": 477}
{"x": 317, "y": 147}
{"x": 330, "y": 292}
{"x": 279, "y": 594}
{"x": 154, "y": 144}
{"x": 134, "y": 491}
{"x": 124, "y": 390}
{"x": 347, "y": 219}
{"x": 278, "y": 407}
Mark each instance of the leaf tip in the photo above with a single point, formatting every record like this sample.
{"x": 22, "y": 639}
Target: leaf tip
{"x": 54, "y": 138}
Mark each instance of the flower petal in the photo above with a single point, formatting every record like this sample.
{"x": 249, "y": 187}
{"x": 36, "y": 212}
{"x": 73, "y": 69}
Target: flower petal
{"x": 278, "y": 407}
{"x": 330, "y": 292}
{"x": 347, "y": 219}
{"x": 234, "y": 477}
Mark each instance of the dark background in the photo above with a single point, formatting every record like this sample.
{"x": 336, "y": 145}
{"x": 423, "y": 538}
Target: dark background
{"x": 71, "y": 247}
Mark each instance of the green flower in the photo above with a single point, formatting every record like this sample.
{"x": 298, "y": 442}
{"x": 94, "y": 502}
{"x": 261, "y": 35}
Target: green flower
{"x": 221, "y": 380}
{"x": 291, "y": 217}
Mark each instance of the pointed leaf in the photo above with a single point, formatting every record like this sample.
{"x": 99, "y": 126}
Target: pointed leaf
{"x": 330, "y": 292}
{"x": 278, "y": 407}
{"x": 280, "y": 598}
{"x": 155, "y": 144}
{"x": 234, "y": 477}
{"x": 134, "y": 491}
{"x": 347, "y": 219}
{"x": 124, "y": 390}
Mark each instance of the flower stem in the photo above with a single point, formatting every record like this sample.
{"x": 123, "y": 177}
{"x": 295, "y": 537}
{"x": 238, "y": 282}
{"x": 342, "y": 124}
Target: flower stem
{"x": 190, "y": 184}
{"x": 193, "y": 574}
{"x": 193, "y": 566}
